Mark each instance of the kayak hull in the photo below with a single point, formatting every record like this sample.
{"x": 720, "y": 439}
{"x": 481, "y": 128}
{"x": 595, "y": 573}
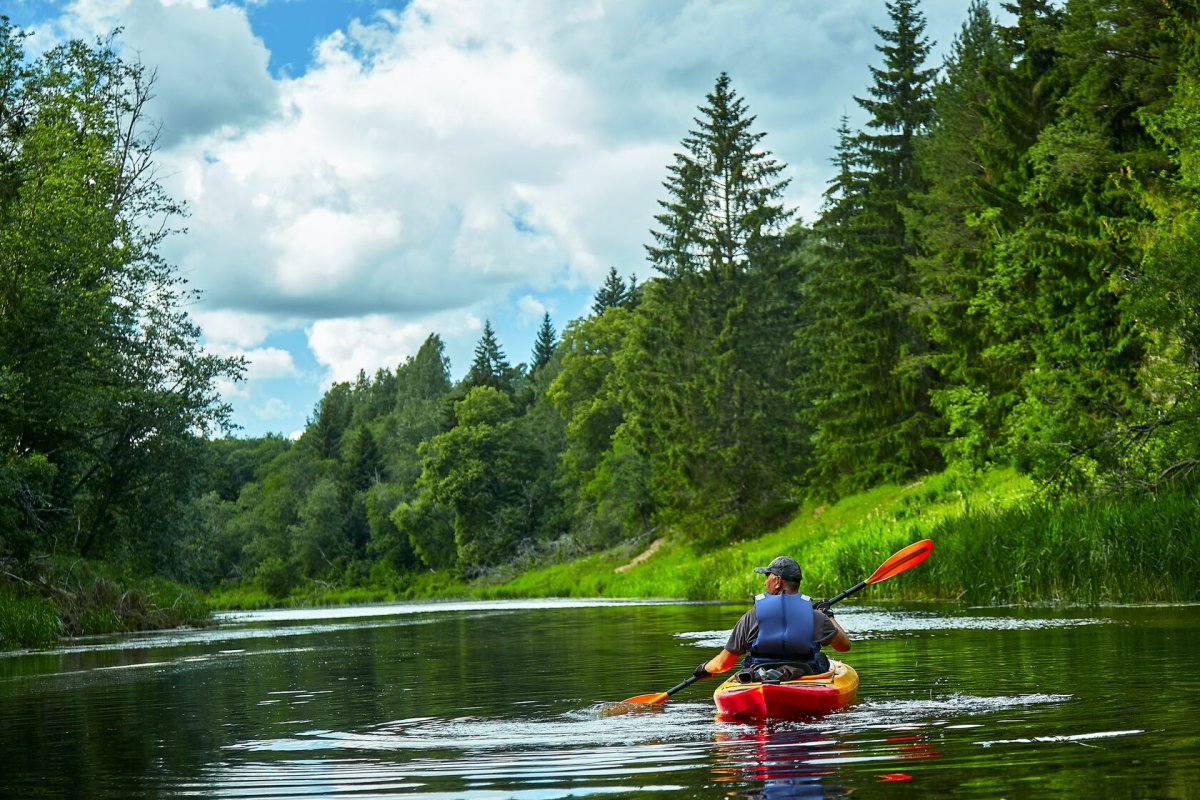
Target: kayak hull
{"x": 812, "y": 694}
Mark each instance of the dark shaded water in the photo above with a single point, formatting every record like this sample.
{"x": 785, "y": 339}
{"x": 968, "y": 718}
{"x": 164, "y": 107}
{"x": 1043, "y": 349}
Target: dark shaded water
{"x": 508, "y": 700}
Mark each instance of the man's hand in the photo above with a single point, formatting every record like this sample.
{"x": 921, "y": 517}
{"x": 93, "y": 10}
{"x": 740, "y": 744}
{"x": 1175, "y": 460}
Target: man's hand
{"x": 701, "y": 672}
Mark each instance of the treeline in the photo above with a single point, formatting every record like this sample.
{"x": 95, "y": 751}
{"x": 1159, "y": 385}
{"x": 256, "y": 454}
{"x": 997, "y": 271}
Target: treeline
{"x": 1005, "y": 271}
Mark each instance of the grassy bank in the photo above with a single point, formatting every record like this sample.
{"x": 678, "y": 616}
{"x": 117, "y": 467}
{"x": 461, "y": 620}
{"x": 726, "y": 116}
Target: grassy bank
{"x": 48, "y": 599}
{"x": 412, "y": 586}
{"x": 995, "y": 541}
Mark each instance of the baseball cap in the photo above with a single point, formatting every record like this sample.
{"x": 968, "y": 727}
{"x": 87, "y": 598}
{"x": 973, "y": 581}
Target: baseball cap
{"x": 784, "y": 567}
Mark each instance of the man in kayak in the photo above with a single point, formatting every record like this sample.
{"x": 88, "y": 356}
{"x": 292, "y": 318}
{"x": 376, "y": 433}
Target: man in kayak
{"x": 782, "y": 634}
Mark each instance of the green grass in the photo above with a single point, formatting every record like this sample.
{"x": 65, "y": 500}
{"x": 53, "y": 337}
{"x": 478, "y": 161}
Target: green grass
{"x": 411, "y": 586}
{"x": 58, "y": 597}
{"x": 27, "y": 621}
{"x": 1110, "y": 551}
{"x": 995, "y": 541}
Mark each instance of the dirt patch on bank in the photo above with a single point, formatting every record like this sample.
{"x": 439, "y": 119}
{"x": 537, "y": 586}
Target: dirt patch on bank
{"x": 649, "y": 551}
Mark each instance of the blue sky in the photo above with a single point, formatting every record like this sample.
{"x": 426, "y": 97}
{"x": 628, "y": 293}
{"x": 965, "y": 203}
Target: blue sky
{"x": 361, "y": 173}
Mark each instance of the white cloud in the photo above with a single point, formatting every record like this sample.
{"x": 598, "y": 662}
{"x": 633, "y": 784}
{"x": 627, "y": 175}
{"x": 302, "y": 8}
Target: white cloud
{"x": 227, "y": 331}
{"x": 344, "y": 346}
{"x": 264, "y": 363}
{"x": 211, "y": 71}
{"x": 273, "y": 409}
{"x": 530, "y": 309}
{"x": 456, "y": 160}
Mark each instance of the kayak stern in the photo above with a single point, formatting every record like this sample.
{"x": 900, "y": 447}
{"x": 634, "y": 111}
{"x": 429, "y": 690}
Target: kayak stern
{"x": 812, "y": 694}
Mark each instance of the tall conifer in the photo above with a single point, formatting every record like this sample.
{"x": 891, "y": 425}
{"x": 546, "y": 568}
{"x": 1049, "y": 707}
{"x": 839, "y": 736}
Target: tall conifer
{"x": 490, "y": 367}
{"x": 868, "y": 398}
{"x": 613, "y": 292}
{"x": 543, "y": 345}
{"x": 706, "y": 362}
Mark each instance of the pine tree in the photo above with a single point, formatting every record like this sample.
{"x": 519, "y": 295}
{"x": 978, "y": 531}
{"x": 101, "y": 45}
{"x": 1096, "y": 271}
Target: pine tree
{"x": 868, "y": 397}
{"x": 612, "y": 293}
{"x": 544, "y": 345}
{"x": 490, "y": 367}
{"x": 724, "y": 193}
{"x": 961, "y": 159}
{"x": 1063, "y": 277}
{"x": 705, "y": 362}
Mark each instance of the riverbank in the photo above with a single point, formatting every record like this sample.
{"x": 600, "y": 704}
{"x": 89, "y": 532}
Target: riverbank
{"x": 45, "y": 600}
{"x": 997, "y": 540}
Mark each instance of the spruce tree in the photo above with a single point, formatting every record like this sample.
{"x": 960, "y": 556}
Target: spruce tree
{"x": 724, "y": 193}
{"x": 543, "y": 345}
{"x": 1074, "y": 255}
{"x": 705, "y": 363}
{"x": 963, "y": 162}
{"x": 490, "y": 367}
{"x": 868, "y": 397}
{"x": 612, "y": 293}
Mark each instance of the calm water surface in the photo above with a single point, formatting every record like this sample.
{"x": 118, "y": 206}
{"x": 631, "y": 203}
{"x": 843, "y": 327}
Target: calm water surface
{"x": 512, "y": 700}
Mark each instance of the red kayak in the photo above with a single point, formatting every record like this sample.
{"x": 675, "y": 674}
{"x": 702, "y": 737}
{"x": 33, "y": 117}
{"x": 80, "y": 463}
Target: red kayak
{"x": 812, "y": 694}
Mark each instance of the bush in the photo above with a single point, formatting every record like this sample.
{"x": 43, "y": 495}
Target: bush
{"x": 276, "y": 576}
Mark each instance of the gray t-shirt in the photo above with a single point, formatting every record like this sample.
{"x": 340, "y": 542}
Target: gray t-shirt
{"x": 746, "y": 631}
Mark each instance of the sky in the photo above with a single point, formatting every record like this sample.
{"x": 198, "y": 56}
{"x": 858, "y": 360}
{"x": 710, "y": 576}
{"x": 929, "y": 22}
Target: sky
{"x": 360, "y": 174}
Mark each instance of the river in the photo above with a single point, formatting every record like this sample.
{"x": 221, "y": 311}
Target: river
{"x": 487, "y": 700}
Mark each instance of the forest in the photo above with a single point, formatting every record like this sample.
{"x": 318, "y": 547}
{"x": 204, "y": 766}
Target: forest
{"x": 1005, "y": 273}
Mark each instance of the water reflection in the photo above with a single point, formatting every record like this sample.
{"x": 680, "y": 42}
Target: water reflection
{"x": 496, "y": 700}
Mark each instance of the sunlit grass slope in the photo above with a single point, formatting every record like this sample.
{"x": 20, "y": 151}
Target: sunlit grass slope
{"x": 995, "y": 541}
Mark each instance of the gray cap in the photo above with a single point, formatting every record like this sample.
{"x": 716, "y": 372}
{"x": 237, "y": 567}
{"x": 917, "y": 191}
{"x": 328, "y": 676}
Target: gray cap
{"x": 784, "y": 567}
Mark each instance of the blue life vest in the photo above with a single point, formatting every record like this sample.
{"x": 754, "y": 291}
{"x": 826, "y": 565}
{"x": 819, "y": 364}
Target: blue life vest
{"x": 785, "y": 629}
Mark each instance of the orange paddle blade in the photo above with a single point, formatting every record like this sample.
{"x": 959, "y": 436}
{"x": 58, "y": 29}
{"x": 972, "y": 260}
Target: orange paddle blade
{"x": 910, "y": 556}
{"x": 658, "y": 698}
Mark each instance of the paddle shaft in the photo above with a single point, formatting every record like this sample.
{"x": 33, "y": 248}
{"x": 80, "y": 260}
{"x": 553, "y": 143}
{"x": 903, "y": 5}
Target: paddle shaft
{"x": 683, "y": 685}
{"x": 837, "y": 598}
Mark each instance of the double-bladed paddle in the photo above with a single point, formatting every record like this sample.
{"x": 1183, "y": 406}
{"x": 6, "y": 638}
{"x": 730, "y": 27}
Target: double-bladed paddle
{"x": 901, "y": 560}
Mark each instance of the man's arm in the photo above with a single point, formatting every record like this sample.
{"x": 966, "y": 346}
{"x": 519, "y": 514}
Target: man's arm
{"x": 720, "y": 662}
{"x": 733, "y": 648}
{"x": 840, "y": 641}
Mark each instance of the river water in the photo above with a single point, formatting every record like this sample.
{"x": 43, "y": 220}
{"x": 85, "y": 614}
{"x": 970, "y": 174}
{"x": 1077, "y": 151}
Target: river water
{"x": 516, "y": 700}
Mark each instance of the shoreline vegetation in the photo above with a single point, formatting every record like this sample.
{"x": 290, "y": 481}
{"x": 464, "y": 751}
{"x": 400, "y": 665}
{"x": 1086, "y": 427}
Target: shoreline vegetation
{"x": 996, "y": 541}
{"x": 986, "y": 337}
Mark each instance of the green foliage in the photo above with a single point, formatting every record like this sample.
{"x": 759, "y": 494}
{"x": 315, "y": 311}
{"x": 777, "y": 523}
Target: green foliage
{"x": 962, "y": 160}
{"x": 1004, "y": 273}
{"x": 490, "y": 367}
{"x": 27, "y": 621}
{"x": 103, "y": 386}
{"x": 277, "y": 576}
{"x": 867, "y": 395}
{"x": 51, "y": 598}
{"x": 614, "y": 293}
{"x": 704, "y": 387}
{"x": 543, "y": 346}
{"x": 724, "y": 193}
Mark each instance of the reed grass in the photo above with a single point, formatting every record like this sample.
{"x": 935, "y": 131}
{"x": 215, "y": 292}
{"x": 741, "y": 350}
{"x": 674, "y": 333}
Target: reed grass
{"x": 27, "y": 621}
{"x": 995, "y": 541}
{"x": 51, "y": 598}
